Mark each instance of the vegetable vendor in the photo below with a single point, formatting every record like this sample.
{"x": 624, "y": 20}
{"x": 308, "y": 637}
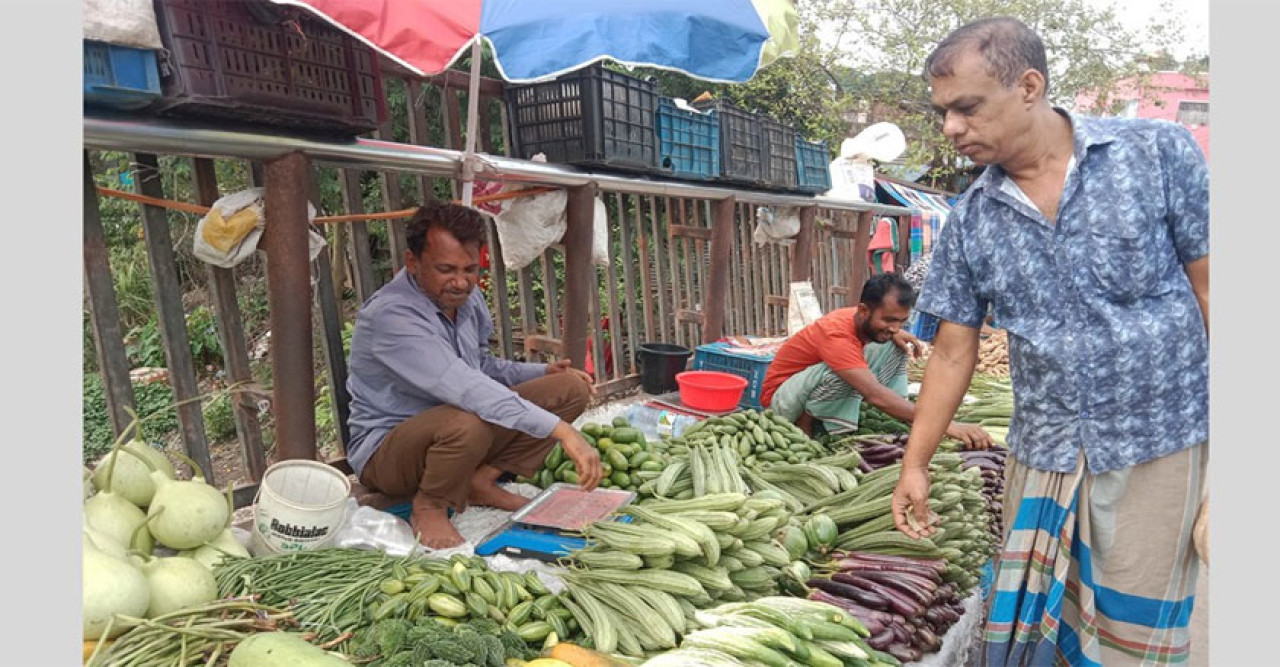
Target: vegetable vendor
{"x": 1090, "y": 239}
{"x": 826, "y": 370}
{"x": 433, "y": 413}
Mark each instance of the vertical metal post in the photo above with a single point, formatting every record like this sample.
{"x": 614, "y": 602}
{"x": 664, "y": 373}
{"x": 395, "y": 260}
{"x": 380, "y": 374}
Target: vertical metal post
{"x": 289, "y": 296}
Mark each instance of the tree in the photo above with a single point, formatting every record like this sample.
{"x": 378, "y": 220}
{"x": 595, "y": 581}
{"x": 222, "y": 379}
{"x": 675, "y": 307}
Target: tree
{"x": 884, "y": 44}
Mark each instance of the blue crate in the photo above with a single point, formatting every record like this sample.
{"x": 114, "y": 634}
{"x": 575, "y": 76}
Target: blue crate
{"x": 922, "y": 325}
{"x": 688, "y": 142}
{"x": 717, "y": 357}
{"x": 812, "y": 166}
{"x": 120, "y": 76}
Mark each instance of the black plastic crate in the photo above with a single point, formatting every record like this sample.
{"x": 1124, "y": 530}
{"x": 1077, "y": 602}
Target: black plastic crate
{"x": 741, "y": 143}
{"x": 593, "y": 116}
{"x": 780, "y": 153}
{"x": 252, "y": 61}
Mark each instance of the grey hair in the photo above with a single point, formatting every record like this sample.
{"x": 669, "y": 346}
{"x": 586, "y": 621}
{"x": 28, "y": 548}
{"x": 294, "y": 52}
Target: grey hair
{"x": 1007, "y": 44}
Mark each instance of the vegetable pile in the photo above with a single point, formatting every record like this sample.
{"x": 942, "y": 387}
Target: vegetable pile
{"x": 993, "y": 353}
{"x": 775, "y": 631}
{"x": 625, "y": 456}
{"x": 633, "y": 589}
{"x": 196, "y": 635}
{"x": 904, "y": 602}
{"x": 340, "y": 592}
{"x": 124, "y": 584}
{"x": 756, "y": 437}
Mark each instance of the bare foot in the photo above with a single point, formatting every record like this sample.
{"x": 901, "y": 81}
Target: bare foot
{"x": 485, "y": 491}
{"x": 805, "y": 423}
{"x": 434, "y": 529}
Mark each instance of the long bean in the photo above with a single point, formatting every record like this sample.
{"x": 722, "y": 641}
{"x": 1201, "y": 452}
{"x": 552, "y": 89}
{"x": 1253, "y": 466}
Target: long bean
{"x": 202, "y": 634}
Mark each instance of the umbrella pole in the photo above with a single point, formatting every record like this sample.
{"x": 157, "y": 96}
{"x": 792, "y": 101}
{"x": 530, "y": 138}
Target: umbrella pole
{"x": 473, "y": 111}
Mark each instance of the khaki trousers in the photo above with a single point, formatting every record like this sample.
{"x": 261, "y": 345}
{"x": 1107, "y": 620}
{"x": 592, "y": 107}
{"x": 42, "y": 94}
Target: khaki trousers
{"x": 434, "y": 454}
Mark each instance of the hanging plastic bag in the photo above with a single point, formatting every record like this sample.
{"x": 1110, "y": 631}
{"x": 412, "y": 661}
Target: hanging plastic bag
{"x": 600, "y": 235}
{"x": 529, "y": 225}
{"x": 775, "y": 224}
{"x": 232, "y": 229}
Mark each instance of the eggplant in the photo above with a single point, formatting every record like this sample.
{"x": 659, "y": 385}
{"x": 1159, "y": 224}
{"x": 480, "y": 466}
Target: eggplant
{"x": 904, "y": 653}
{"x": 913, "y": 580}
{"x": 881, "y": 641}
{"x": 927, "y": 641}
{"x": 864, "y": 597}
{"x": 864, "y": 614}
{"x": 855, "y": 564}
{"x": 903, "y": 633}
{"x": 937, "y": 564}
{"x": 897, "y": 601}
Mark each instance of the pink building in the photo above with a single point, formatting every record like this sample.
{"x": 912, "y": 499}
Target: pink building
{"x": 1166, "y": 95}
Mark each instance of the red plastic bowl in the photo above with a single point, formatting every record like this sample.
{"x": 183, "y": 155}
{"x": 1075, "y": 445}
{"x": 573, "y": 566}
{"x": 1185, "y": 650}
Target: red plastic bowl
{"x": 710, "y": 390}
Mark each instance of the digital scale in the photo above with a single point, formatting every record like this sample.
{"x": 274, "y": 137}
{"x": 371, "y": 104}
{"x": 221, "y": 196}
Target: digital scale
{"x": 550, "y": 526}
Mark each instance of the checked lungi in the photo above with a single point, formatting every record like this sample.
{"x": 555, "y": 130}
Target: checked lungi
{"x": 1097, "y": 569}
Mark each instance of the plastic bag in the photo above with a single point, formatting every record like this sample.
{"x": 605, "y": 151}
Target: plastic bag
{"x": 230, "y": 232}
{"x": 600, "y": 235}
{"x": 529, "y": 225}
{"x": 775, "y": 224}
{"x": 373, "y": 529}
{"x": 123, "y": 22}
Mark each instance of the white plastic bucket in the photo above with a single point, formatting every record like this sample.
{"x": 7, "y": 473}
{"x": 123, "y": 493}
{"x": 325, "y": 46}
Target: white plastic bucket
{"x": 299, "y": 506}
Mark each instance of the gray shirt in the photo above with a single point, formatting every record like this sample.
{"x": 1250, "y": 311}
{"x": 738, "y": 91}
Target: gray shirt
{"x": 406, "y": 357}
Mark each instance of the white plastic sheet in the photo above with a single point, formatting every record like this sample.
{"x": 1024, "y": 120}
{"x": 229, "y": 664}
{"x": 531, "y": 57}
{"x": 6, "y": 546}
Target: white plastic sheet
{"x": 122, "y": 22}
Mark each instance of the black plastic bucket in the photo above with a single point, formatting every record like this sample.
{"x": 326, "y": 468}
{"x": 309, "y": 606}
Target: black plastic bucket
{"x": 659, "y": 364}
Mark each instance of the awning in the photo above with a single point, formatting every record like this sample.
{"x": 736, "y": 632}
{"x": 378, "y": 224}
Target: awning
{"x": 929, "y": 213}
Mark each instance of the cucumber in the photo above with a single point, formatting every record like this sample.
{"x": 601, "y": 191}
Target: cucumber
{"x": 626, "y": 434}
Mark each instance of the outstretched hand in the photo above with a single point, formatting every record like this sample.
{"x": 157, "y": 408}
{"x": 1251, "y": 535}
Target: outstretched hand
{"x": 910, "y": 503}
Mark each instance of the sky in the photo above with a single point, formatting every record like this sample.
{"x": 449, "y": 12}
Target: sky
{"x": 1194, "y": 15}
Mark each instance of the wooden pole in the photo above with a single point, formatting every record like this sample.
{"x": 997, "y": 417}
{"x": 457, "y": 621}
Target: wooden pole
{"x": 860, "y": 266}
{"x": 289, "y": 296}
{"x": 802, "y": 250}
{"x": 235, "y": 351}
{"x": 579, "y": 273}
{"x": 172, "y": 316}
{"x": 104, "y": 312}
{"x": 718, "y": 280}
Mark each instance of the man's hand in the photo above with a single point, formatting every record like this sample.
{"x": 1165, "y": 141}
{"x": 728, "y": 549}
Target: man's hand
{"x": 910, "y": 501}
{"x": 586, "y": 460}
{"x": 972, "y": 435}
{"x": 911, "y": 346}
{"x": 563, "y": 366}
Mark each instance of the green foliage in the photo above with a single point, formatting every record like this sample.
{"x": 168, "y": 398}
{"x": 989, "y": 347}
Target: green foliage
{"x": 145, "y": 345}
{"x": 219, "y": 417}
{"x": 155, "y": 407}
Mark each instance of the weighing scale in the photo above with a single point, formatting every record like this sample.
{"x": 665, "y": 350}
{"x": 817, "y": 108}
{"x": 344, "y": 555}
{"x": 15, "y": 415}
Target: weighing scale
{"x": 550, "y": 526}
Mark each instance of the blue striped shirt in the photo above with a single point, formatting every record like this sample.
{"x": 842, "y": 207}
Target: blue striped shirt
{"x": 1108, "y": 348}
